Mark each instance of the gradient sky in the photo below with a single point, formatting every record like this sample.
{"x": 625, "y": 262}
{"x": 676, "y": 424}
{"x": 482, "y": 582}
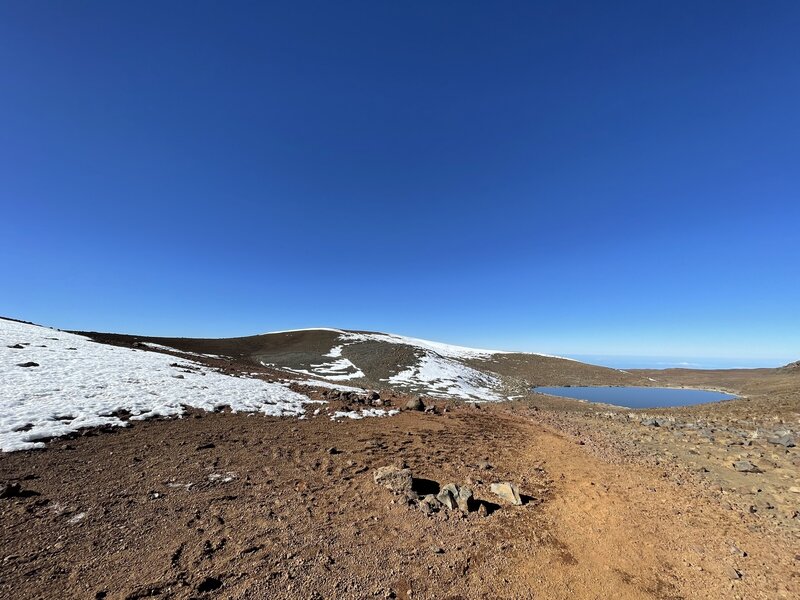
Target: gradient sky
{"x": 571, "y": 177}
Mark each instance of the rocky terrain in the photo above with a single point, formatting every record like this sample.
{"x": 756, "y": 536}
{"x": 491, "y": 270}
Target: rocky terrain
{"x": 333, "y": 464}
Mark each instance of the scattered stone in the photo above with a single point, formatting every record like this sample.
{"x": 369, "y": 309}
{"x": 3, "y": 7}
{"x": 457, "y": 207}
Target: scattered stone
{"x": 733, "y": 573}
{"x": 17, "y": 347}
{"x": 394, "y": 478}
{"x": 438, "y": 550}
{"x": 738, "y": 551}
{"x": 28, "y": 364}
{"x": 787, "y": 441}
{"x": 485, "y": 466}
{"x": 794, "y": 489}
{"x": 507, "y": 491}
{"x": 483, "y": 511}
{"x": 745, "y": 466}
{"x": 333, "y": 450}
{"x": 10, "y": 490}
{"x": 206, "y": 446}
{"x": 415, "y": 404}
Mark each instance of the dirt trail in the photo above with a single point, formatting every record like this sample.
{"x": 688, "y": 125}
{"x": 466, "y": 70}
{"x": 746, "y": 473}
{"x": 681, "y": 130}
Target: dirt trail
{"x": 628, "y": 531}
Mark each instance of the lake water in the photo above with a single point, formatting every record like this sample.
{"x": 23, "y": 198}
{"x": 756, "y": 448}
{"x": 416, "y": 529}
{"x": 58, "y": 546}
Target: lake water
{"x": 637, "y": 397}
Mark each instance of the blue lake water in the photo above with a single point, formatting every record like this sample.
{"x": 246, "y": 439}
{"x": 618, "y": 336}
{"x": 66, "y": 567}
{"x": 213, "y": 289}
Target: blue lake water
{"x": 637, "y": 397}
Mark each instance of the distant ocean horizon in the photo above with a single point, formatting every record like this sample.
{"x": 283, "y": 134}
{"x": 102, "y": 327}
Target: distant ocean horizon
{"x": 676, "y": 362}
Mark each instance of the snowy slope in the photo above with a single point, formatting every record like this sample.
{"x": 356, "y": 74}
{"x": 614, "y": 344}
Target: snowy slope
{"x": 80, "y": 383}
{"x": 445, "y": 350}
{"x": 438, "y": 370}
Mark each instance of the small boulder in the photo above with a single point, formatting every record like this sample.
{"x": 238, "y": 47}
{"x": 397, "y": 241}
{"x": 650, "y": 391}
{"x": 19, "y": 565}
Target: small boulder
{"x": 28, "y": 364}
{"x": 507, "y": 491}
{"x": 448, "y": 496}
{"x": 10, "y": 489}
{"x": 415, "y": 404}
{"x": 733, "y": 574}
{"x": 787, "y": 441}
{"x": 393, "y": 478}
{"x": 429, "y": 504}
{"x": 745, "y": 466}
{"x": 464, "y": 499}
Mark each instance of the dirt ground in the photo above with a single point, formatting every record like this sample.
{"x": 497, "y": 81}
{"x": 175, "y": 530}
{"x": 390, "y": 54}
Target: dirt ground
{"x": 220, "y": 505}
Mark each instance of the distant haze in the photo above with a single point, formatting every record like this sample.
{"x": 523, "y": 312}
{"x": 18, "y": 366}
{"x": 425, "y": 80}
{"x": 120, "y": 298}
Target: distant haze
{"x": 674, "y": 362}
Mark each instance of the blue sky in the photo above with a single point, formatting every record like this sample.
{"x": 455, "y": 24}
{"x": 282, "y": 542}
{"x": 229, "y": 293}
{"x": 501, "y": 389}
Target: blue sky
{"x": 570, "y": 177}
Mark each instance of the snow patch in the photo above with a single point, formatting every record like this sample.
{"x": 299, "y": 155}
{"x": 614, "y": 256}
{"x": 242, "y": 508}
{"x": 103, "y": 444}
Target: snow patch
{"x": 81, "y": 383}
{"x": 367, "y": 412}
{"x": 437, "y": 375}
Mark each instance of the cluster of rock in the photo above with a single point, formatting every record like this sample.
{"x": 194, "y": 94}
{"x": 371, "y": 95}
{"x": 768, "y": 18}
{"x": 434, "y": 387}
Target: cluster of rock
{"x": 367, "y": 397}
{"x": 417, "y": 403}
{"x": 778, "y": 437}
{"x": 451, "y": 497}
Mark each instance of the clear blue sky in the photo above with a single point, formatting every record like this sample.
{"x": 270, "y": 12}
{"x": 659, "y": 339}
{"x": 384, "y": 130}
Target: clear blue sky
{"x": 568, "y": 177}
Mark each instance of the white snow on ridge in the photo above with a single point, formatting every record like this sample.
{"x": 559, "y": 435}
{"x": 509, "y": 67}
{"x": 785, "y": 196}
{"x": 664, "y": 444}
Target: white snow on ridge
{"x": 438, "y": 375}
{"x": 305, "y": 329}
{"x": 80, "y": 383}
{"x": 171, "y": 349}
{"x": 447, "y": 350}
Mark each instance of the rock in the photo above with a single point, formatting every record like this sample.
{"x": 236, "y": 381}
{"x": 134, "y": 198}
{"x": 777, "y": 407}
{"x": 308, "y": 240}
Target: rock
{"x": 28, "y": 364}
{"x": 483, "y": 511}
{"x": 373, "y": 395}
{"x": 429, "y": 504}
{"x": 206, "y": 446}
{"x": 464, "y": 499}
{"x": 209, "y": 584}
{"x": 485, "y": 466}
{"x": 10, "y": 490}
{"x": 794, "y": 489}
{"x": 415, "y": 404}
{"x": 733, "y": 573}
{"x": 787, "y": 441}
{"x": 333, "y": 450}
{"x": 17, "y": 347}
{"x": 745, "y": 466}
{"x": 507, "y": 491}
{"x": 738, "y": 551}
{"x": 448, "y": 495}
{"x": 394, "y": 478}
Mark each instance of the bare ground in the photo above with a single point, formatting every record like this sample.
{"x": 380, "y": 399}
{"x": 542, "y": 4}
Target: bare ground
{"x": 236, "y": 506}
